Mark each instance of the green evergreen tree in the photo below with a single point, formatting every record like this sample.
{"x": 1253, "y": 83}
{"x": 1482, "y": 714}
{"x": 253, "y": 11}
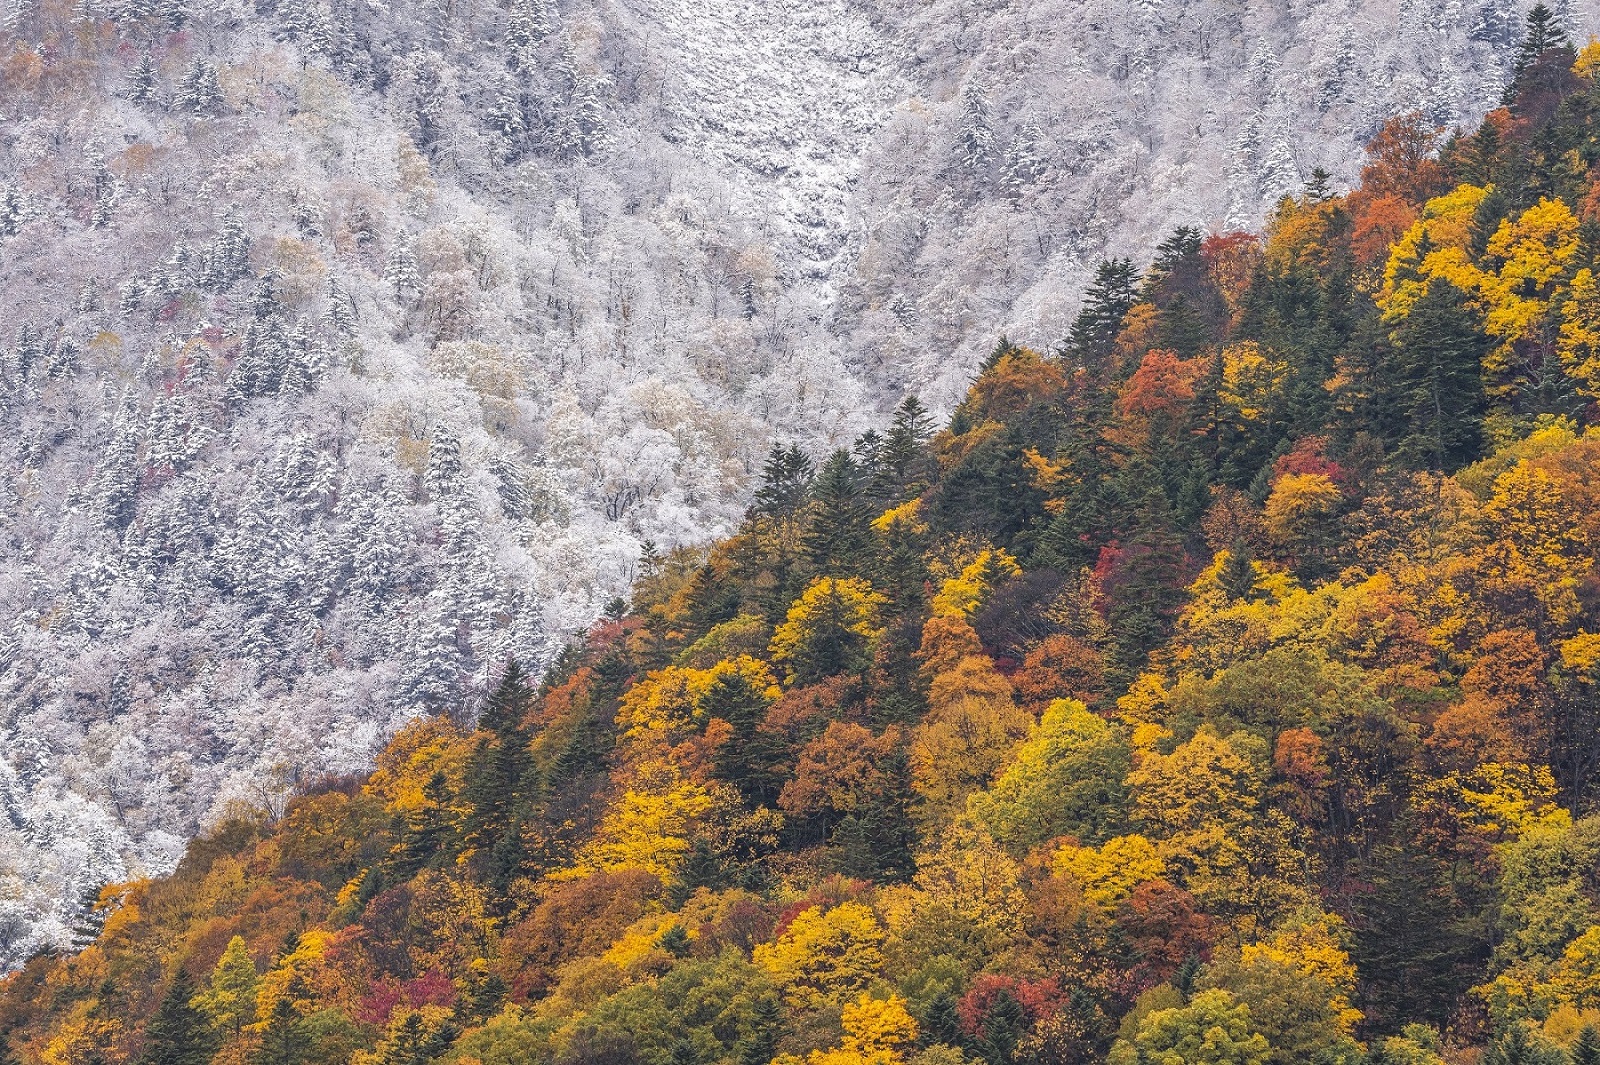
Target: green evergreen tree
{"x": 785, "y": 483}
{"x": 1004, "y": 1025}
{"x": 500, "y": 773}
{"x": 1319, "y": 189}
{"x": 675, "y": 941}
{"x": 760, "y": 1045}
{"x": 904, "y": 463}
{"x": 684, "y": 1053}
{"x": 942, "y": 1024}
{"x": 91, "y": 918}
{"x": 1238, "y": 573}
{"x": 178, "y": 1033}
{"x": 1586, "y": 1049}
{"x": 1107, "y": 301}
{"x": 1519, "y": 1045}
{"x": 1543, "y": 33}
{"x": 711, "y": 600}
{"x": 284, "y": 1040}
{"x": 736, "y": 700}
{"x": 431, "y": 831}
{"x": 837, "y": 537}
{"x": 1439, "y": 381}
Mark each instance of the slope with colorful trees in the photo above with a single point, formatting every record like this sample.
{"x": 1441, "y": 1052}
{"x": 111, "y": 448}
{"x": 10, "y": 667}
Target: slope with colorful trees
{"x": 1223, "y": 687}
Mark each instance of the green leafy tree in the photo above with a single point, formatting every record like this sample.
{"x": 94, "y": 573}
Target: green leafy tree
{"x": 1212, "y": 1029}
{"x": 230, "y": 1000}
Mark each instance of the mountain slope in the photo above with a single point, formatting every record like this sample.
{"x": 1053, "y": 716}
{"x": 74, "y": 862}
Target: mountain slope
{"x": 1221, "y": 687}
{"x": 354, "y": 346}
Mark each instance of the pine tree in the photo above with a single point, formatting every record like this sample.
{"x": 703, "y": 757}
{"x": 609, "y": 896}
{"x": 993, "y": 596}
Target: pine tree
{"x": 400, "y": 269}
{"x": 1106, "y": 303}
{"x": 1517, "y": 1045}
{"x": 943, "y": 1022}
{"x": 284, "y": 1041}
{"x": 445, "y": 475}
{"x": 734, "y": 699}
{"x": 142, "y": 80}
{"x": 178, "y": 1033}
{"x": 1004, "y": 1025}
{"x": 430, "y": 831}
{"x": 675, "y": 941}
{"x": 1586, "y": 1049}
{"x": 766, "y": 1029}
{"x": 230, "y": 1000}
{"x": 1238, "y": 575}
{"x": 1024, "y": 164}
{"x": 199, "y": 90}
{"x": 500, "y": 770}
{"x": 975, "y": 136}
{"x": 12, "y": 211}
{"x": 785, "y": 483}
{"x": 1438, "y": 379}
{"x": 91, "y": 918}
{"x": 1319, "y": 187}
{"x": 529, "y": 24}
{"x": 1542, "y": 33}
{"x": 836, "y": 538}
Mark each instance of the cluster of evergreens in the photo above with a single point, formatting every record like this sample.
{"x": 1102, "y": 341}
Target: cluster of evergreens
{"x": 1221, "y": 687}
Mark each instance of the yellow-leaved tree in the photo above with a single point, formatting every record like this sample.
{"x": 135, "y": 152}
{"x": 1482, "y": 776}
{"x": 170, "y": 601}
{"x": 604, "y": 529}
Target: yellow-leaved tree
{"x": 876, "y": 1032}
{"x": 826, "y": 955}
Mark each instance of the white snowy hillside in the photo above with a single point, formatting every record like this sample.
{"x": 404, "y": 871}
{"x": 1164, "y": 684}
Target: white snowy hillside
{"x": 348, "y": 347}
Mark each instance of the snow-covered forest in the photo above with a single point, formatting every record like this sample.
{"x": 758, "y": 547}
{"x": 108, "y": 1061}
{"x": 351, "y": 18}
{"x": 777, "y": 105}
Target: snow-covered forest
{"x": 348, "y": 347}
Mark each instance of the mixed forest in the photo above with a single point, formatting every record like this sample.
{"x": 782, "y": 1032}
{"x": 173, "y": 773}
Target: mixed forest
{"x": 1222, "y": 686}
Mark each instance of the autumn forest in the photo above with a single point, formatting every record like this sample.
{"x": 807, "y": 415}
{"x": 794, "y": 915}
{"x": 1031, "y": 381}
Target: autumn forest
{"x": 1221, "y": 686}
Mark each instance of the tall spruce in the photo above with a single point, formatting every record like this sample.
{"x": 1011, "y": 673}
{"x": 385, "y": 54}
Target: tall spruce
{"x": 785, "y": 483}
{"x": 1542, "y": 33}
{"x": 1438, "y": 379}
{"x": 178, "y": 1033}
{"x": 1107, "y": 301}
{"x": 500, "y": 773}
{"x": 837, "y": 536}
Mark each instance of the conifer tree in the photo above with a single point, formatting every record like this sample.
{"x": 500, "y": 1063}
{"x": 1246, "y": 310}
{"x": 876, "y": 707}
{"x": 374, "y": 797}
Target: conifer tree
{"x": 1238, "y": 574}
{"x": 785, "y": 483}
{"x": 142, "y": 80}
{"x": 1542, "y": 33}
{"x": 178, "y": 1033}
{"x": 943, "y": 1022}
{"x": 766, "y": 1028}
{"x": 230, "y": 1000}
{"x": 836, "y": 538}
{"x": 199, "y": 91}
{"x": 1516, "y": 1045}
{"x": 1106, "y": 303}
{"x": 284, "y": 1040}
{"x": 1586, "y": 1049}
{"x": 1439, "y": 382}
{"x": 500, "y": 771}
{"x": 903, "y": 455}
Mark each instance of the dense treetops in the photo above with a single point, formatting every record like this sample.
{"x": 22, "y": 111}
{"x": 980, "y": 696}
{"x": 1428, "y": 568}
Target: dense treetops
{"x": 1221, "y": 687}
